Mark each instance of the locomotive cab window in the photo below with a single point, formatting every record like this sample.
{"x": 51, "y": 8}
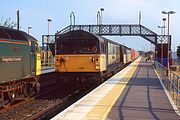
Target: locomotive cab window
{"x": 67, "y": 47}
{"x": 88, "y": 46}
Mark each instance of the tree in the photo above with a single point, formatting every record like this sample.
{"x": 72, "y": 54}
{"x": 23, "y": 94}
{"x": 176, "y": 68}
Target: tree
{"x": 178, "y": 50}
{"x": 8, "y": 23}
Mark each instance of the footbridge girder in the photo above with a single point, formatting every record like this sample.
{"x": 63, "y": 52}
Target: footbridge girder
{"x": 112, "y": 30}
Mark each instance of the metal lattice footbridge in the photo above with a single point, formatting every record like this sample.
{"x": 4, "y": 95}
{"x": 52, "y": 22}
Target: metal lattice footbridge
{"x": 110, "y": 30}
{"x": 120, "y": 30}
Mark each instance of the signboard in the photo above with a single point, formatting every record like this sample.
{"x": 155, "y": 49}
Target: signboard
{"x": 9, "y": 59}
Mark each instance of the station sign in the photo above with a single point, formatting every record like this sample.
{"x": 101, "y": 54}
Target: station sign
{"x": 8, "y": 59}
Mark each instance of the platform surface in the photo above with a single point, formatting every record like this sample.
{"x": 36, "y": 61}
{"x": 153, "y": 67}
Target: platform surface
{"x": 135, "y": 93}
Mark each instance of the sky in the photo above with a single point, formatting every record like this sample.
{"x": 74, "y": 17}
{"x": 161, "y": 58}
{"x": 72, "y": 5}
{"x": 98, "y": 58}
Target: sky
{"x": 36, "y": 12}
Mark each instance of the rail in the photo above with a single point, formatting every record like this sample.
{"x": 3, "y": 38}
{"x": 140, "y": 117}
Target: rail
{"x": 171, "y": 81}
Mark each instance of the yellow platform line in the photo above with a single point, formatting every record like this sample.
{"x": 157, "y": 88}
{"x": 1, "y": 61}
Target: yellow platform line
{"x": 101, "y": 110}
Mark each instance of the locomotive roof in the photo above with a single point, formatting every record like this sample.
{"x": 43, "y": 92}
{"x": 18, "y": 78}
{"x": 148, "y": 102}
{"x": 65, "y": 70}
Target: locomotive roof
{"x": 12, "y": 34}
{"x": 82, "y": 33}
{"x": 77, "y": 33}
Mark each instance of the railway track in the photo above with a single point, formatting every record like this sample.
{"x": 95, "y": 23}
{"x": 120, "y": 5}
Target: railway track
{"x": 48, "y": 102}
{"x": 53, "y": 98}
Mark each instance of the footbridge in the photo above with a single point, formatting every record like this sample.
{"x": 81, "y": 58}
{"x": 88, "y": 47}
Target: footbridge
{"x": 113, "y": 30}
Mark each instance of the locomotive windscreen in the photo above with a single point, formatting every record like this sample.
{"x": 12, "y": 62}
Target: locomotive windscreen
{"x": 87, "y": 46}
{"x": 77, "y": 46}
{"x": 66, "y": 47}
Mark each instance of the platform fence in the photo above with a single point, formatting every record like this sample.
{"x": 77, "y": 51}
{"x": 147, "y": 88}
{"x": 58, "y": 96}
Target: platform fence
{"x": 176, "y": 62}
{"x": 171, "y": 81}
{"x": 47, "y": 62}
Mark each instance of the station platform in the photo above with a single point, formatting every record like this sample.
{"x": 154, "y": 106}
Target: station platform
{"x": 134, "y": 93}
{"x": 45, "y": 70}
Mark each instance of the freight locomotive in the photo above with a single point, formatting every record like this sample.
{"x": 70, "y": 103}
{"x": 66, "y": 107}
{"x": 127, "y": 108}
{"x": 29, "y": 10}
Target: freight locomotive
{"x": 84, "y": 55}
{"x": 20, "y": 65}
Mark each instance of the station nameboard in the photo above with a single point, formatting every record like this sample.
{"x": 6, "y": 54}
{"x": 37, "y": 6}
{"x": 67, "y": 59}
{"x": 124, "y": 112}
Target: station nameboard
{"x": 8, "y": 59}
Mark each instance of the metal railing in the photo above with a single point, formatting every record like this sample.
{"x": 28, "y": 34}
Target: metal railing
{"x": 171, "y": 81}
{"x": 176, "y": 62}
{"x": 47, "y": 62}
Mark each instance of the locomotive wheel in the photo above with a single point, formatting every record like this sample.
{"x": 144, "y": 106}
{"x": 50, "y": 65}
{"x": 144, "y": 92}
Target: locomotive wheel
{"x": 31, "y": 89}
{"x": 4, "y": 103}
{"x": 12, "y": 96}
{"x": 25, "y": 91}
{"x": 37, "y": 87}
{"x": 28, "y": 90}
{"x": 102, "y": 80}
{"x": 7, "y": 104}
{"x": 7, "y": 100}
{"x": 1, "y": 98}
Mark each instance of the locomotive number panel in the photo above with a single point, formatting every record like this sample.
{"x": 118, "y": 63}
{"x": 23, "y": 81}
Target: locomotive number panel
{"x": 81, "y": 68}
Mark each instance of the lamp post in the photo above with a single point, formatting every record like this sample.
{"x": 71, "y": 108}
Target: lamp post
{"x": 102, "y": 9}
{"x": 30, "y": 27}
{"x": 72, "y": 15}
{"x": 161, "y": 27}
{"x": 168, "y": 13}
{"x": 48, "y": 20}
{"x": 164, "y": 19}
{"x": 98, "y": 17}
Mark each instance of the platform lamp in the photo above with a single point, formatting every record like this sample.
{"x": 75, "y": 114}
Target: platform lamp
{"x": 30, "y": 27}
{"x": 102, "y": 9}
{"x": 72, "y": 15}
{"x": 164, "y": 20}
{"x": 168, "y": 13}
{"x": 98, "y": 18}
{"x": 48, "y": 20}
{"x": 161, "y": 40}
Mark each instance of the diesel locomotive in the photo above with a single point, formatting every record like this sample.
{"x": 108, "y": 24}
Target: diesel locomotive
{"x": 84, "y": 55}
{"x": 20, "y": 65}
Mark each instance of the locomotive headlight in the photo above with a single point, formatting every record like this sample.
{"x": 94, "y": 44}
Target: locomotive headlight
{"x": 93, "y": 59}
{"x": 97, "y": 67}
